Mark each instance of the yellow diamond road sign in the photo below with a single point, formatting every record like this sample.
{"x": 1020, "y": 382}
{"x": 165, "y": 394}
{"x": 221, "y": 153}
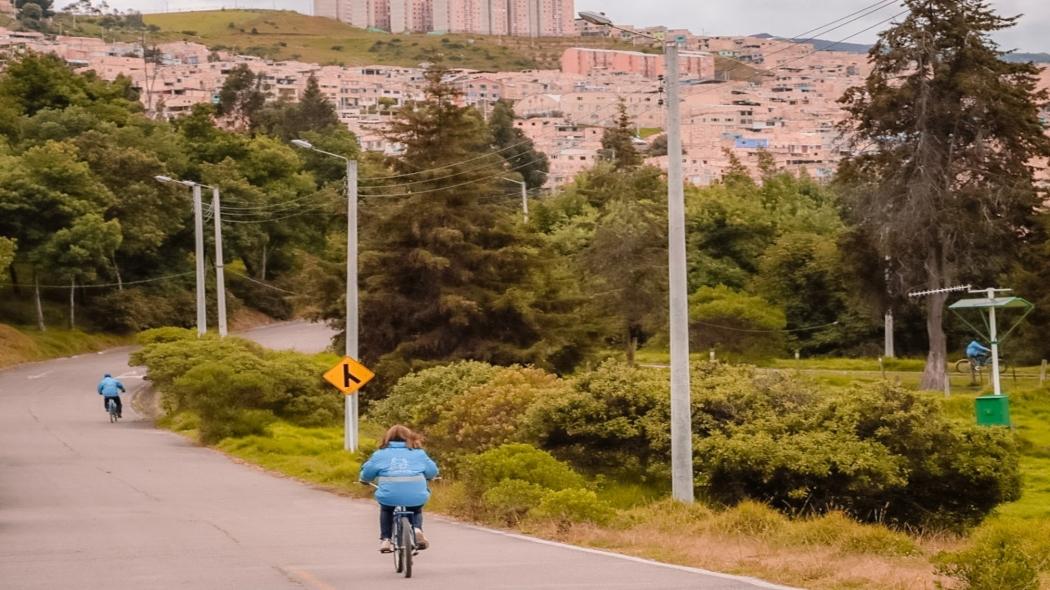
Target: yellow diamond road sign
{"x": 349, "y": 375}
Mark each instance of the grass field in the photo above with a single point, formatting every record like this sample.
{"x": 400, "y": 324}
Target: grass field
{"x": 285, "y": 35}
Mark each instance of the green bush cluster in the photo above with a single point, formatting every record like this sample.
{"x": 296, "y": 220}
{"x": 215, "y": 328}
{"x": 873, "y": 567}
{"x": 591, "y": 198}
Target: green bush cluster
{"x": 878, "y": 452}
{"x": 1001, "y": 555}
{"x": 469, "y": 407}
{"x": 234, "y": 386}
{"x": 515, "y": 481}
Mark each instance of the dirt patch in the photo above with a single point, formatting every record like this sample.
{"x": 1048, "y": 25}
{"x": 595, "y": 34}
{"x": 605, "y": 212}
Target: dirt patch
{"x": 16, "y": 347}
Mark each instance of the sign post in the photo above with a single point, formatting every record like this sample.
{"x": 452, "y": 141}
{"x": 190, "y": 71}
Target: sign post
{"x": 348, "y": 376}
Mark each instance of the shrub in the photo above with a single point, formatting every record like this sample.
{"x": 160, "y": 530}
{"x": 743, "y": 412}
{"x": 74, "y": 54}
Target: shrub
{"x": 878, "y": 452}
{"x": 230, "y": 402}
{"x": 749, "y": 519}
{"x": 521, "y": 462}
{"x": 511, "y": 499}
{"x": 1001, "y": 555}
{"x": 494, "y": 412}
{"x": 607, "y": 421}
{"x": 417, "y": 397}
{"x": 132, "y": 310}
{"x": 166, "y": 334}
{"x": 573, "y": 505}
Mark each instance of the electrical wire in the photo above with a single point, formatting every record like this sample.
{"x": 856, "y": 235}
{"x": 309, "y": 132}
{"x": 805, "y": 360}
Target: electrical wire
{"x": 102, "y": 285}
{"x": 478, "y": 169}
{"x": 485, "y": 179}
{"x": 264, "y": 284}
{"x": 486, "y": 155}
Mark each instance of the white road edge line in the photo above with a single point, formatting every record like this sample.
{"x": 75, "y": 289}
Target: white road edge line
{"x": 44, "y": 374}
{"x": 683, "y": 568}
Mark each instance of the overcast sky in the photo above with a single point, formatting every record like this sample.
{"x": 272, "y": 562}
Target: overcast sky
{"x": 786, "y": 18}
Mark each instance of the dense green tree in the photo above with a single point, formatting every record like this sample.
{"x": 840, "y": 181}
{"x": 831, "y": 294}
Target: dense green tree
{"x": 42, "y": 81}
{"x": 518, "y": 150}
{"x": 8, "y": 246}
{"x": 290, "y": 120}
{"x": 949, "y": 128}
{"x": 618, "y": 141}
{"x": 241, "y": 98}
{"x": 445, "y": 273}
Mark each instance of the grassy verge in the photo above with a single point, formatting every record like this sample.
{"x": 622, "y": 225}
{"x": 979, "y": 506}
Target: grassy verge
{"x": 829, "y": 551}
{"x": 23, "y": 345}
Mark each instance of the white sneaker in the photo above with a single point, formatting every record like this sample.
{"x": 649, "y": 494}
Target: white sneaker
{"x": 385, "y": 546}
{"x": 421, "y": 540}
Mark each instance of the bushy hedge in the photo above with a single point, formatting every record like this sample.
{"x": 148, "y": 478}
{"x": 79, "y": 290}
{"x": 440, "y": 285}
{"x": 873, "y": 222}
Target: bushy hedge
{"x": 515, "y": 481}
{"x": 469, "y": 407}
{"x": 876, "y": 451}
{"x": 236, "y": 387}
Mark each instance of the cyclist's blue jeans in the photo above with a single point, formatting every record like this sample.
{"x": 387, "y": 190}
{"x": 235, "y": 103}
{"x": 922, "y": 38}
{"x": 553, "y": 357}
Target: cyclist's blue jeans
{"x": 386, "y": 519}
{"x": 116, "y": 398}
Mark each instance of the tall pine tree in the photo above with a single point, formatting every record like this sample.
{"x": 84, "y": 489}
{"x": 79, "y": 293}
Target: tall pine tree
{"x": 949, "y": 128}
{"x": 447, "y": 272}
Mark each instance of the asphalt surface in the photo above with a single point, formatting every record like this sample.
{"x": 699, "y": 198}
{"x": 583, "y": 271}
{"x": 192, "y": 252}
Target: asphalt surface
{"x": 86, "y": 504}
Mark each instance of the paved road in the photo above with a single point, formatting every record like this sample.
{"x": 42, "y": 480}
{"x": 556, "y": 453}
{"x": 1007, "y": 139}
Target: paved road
{"x": 86, "y": 504}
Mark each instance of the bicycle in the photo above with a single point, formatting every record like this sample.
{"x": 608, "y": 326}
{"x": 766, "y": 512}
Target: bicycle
{"x": 965, "y": 366}
{"x": 403, "y": 538}
{"x": 111, "y": 407}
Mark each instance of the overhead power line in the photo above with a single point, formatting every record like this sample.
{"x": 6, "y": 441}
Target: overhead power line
{"x": 101, "y": 285}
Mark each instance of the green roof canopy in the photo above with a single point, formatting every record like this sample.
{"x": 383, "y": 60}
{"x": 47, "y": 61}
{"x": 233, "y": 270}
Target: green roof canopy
{"x": 983, "y": 303}
{"x": 999, "y": 302}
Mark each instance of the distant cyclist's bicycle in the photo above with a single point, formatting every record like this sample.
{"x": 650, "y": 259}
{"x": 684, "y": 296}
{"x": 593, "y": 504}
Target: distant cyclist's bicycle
{"x": 968, "y": 367}
{"x": 403, "y": 539}
{"x": 111, "y": 407}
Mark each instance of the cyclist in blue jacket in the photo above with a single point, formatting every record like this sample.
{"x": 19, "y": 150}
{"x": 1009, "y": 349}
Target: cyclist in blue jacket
{"x": 400, "y": 469}
{"x": 109, "y": 388}
{"x": 977, "y": 353}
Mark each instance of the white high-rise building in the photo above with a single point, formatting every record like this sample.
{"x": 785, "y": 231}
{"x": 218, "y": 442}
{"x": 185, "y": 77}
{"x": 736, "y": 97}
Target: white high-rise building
{"x": 531, "y": 18}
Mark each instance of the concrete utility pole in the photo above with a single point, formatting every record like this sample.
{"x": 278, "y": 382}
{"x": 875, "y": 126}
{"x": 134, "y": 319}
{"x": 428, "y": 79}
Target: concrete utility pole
{"x": 351, "y": 423}
{"x": 524, "y": 197}
{"x": 681, "y": 419}
{"x": 198, "y": 226}
{"x": 220, "y": 277}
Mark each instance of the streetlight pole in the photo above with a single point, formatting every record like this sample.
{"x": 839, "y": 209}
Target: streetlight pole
{"x": 524, "y": 197}
{"x": 198, "y": 229}
{"x": 681, "y": 419}
{"x": 351, "y": 423}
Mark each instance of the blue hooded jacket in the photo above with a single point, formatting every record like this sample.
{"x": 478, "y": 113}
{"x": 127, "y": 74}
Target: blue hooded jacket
{"x": 401, "y": 474}
{"x": 110, "y": 387}
{"x": 975, "y": 349}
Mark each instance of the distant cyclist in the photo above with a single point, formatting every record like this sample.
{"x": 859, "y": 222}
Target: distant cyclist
{"x": 401, "y": 469}
{"x": 109, "y": 388}
{"x": 977, "y": 353}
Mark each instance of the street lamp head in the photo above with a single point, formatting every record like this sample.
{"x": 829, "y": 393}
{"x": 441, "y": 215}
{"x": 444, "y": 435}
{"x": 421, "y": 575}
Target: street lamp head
{"x": 160, "y": 178}
{"x": 596, "y": 18}
{"x": 306, "y": 145}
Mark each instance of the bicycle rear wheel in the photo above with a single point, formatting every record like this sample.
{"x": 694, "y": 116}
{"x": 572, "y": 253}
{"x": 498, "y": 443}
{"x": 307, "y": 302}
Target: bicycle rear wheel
{"x": 408, "y": 545}
{"x": 399, "y": 563}
{"x": 111, "y": 406}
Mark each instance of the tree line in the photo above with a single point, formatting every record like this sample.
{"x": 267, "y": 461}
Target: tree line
{"x": 942, "y": 191}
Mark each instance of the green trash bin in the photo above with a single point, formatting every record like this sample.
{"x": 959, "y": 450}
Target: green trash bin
{"x": 993, "y": 410}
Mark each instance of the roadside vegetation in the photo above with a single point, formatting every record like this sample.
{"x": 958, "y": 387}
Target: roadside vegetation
{"x": 23, "y": 345}
{"x": 869, "y": 486}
